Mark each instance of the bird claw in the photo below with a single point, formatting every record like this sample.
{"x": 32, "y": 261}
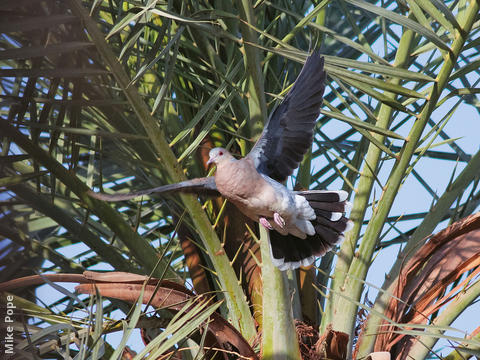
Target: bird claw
{"x": 279, "y": 220}
{"x": 264, "y": 222}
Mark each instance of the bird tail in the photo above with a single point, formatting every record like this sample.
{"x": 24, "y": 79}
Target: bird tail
{"x": 291, "y": 252}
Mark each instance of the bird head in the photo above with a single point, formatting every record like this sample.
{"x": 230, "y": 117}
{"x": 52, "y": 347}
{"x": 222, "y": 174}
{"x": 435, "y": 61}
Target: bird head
{"x": 217, "y": 155}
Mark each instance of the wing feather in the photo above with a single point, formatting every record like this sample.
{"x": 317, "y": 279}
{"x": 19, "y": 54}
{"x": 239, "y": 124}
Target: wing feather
{"x": 202, "y": 186}
{"x": 288, "y": 133}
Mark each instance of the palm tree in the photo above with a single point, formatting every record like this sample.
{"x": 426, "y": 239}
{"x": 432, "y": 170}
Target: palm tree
{"x": 125, "y": 95}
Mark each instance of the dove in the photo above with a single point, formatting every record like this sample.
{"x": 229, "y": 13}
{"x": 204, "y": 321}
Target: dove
{"x": 304, "y": 225}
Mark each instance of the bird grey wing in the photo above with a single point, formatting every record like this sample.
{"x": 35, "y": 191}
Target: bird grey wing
{"x": 288, "y": 134}
{"x": 201, "y": 186}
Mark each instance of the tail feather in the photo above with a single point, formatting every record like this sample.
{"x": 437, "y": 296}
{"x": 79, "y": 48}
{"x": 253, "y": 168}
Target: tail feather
{"x": 287, "y": 254}
{"x": 340, "y": 226}
{"x": 328, "y": 206}
{"x": 290, "y": 252}
{"x": 305, "y": 210}
{"x": 328, "y": 215}
{"x": 329, "y": 237}
{"x": 324, "y": 195}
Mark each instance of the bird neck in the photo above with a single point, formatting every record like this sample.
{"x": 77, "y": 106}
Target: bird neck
{"x": 226, "y": 162}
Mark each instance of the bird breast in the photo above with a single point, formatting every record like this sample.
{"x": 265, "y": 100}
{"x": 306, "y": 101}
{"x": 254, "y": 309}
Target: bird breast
{"x": 239, "y": 182}
{"x": 238, "y": 178}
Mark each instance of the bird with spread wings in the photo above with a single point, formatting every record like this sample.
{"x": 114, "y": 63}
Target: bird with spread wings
{"x": 304, "y": 224}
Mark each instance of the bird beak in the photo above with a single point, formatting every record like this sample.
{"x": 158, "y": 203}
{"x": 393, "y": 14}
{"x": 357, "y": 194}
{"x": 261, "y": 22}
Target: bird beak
{"x": 210, "y": 160}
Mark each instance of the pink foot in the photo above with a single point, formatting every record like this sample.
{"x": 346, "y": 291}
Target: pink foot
{"x": 265, "y": 223}
{"x": 279, "y": 220}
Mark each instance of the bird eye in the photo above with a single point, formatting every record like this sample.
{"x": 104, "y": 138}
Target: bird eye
{"x": 220, "y": 153}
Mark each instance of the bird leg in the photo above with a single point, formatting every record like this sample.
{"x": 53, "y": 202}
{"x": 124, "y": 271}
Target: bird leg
{"x": 265, "y": 223}
{"x": 279, "y": 220}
